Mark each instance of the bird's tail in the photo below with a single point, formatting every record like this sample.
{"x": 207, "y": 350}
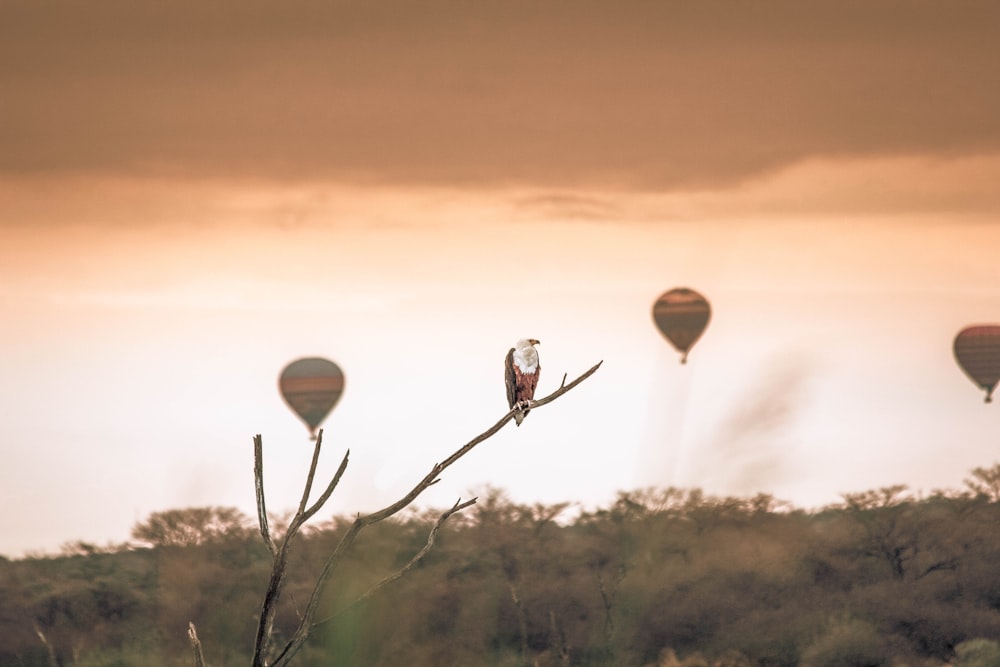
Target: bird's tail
{"x": 520, "y": 415}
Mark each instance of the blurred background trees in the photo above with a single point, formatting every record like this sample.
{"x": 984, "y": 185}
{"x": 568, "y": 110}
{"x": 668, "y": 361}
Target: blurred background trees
{"x": 658, "y": 577}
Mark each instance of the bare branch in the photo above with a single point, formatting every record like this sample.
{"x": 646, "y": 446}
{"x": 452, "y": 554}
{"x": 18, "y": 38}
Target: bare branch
{"x": 457, "y": 507}
{"x": 53, "y": 662}
{"x": 438, "y": 468}
{"x": 199, "y": 659}
{"x": 329, "y": 489}
{"x": 563, "y": 389}
{"x": 312, "y": 473}
{"x": 279, "y": 554}
{"x": 360, "y": 523}
{"x": 258, "y": 476}
{"x": 270, "y": 605}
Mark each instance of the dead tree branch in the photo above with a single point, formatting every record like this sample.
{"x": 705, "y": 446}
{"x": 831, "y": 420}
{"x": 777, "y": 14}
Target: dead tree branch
{"x": 307, "y": 621}
{"x": 280, "y": 553}
{"x": 258, "y": 476}
{"x": 53, "y": 662}
{"x": 199, "y": 659}
{"x": 388, "y": 579}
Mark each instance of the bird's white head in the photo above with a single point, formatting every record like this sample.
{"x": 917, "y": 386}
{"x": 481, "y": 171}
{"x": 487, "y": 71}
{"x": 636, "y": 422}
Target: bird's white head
{"x": 525, "y": 354}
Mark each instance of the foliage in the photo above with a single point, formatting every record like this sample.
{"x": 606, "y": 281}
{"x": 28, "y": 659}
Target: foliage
{"x": 978, "y": 653}
{"x": 847, "y": 642}
{"x": 192, "y": 526}
{"x": 886, "y": 577}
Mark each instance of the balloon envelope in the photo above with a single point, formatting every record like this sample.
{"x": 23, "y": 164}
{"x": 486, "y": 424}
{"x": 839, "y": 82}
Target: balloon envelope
{"x": 682, "y": 314}
{"x": 312, "y": 387}
{"x": 977, "y": 350}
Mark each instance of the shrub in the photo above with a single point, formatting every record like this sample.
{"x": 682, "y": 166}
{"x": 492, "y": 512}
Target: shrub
{"x": 977, "y": 653}
{"x": 847, "y": 642}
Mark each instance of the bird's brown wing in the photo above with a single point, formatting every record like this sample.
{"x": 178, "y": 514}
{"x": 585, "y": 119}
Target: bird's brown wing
{"x": 510, "y": 379}
{"x": 525, "y": 390}
{"x": 527, "y": 383}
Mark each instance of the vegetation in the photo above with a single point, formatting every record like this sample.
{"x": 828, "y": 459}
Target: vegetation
{"x": 659, "y": 577}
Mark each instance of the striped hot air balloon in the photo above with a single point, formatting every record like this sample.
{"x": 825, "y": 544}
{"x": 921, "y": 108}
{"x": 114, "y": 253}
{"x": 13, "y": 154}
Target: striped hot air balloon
{"x": 977, "y": 350}
{"x": 681, "y": 315}
{"x": 311, "y": 387}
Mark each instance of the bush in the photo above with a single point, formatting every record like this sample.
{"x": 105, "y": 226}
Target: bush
{"x": 977, "y": 653}
{"x": 847, "y": 642}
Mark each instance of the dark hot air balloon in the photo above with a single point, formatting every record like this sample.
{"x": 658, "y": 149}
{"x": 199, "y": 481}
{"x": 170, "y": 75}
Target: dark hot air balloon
{"x": 311, "y": 387}
{"x": 682, "y": 315}
{"x": 977, "y": 350}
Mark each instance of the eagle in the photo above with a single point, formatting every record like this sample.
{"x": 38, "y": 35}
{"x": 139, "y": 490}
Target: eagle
{"x": 521, "y": 372}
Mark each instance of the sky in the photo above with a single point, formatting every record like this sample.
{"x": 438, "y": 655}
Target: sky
{"x": 192, "y": 195}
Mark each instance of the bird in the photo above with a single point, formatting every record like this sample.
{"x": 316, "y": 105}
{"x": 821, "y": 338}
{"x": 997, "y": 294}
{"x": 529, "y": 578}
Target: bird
{"x": 521, "y": 371}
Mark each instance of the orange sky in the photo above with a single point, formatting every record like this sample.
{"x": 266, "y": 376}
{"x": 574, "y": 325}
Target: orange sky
{"x": 192, "y": 196}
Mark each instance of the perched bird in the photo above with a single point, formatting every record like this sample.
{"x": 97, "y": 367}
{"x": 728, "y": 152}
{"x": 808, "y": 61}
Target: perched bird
{"x": 521, "y": 372}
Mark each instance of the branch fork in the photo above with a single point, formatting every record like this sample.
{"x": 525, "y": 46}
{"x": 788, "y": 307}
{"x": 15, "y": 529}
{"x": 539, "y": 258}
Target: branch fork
{"x": 305, "y": 511}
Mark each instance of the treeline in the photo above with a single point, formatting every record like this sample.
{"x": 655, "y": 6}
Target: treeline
{"x": 661, "y": 577}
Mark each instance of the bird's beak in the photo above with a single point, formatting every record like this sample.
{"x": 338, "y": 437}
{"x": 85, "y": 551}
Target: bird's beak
{"x": 534, "y": 341}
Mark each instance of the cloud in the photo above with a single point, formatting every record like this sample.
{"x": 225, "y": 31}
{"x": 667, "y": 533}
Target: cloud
{"x": 560, "y": 95}
{"x": 569, "y": 206}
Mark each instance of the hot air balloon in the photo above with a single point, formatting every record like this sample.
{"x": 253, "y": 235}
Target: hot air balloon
{"x": 977, "y": 350}
{"x": 681, "y": 315}
{"x": 311, "y": 387}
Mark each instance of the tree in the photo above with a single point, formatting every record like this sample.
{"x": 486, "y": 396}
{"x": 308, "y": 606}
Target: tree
{"x": 192, "y": 526}
{"x": 889, "y": 536}
{"x": 266, "y": 655}
{"x": 985, "y": 482}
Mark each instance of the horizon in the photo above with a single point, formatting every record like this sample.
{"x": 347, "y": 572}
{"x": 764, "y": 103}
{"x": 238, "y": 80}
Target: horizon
{"x": 568, "y": 514}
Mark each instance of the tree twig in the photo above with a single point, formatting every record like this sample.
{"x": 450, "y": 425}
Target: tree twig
{"x": 312, "y": 473}
{"x": 564, "y": 388}
{"x": 329, "y": 489}
{"x": 258, "y": 476}
{"x": 199, "y": 659}
{"x": 53, "y": 662}
{"x": 388, "y": 579}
